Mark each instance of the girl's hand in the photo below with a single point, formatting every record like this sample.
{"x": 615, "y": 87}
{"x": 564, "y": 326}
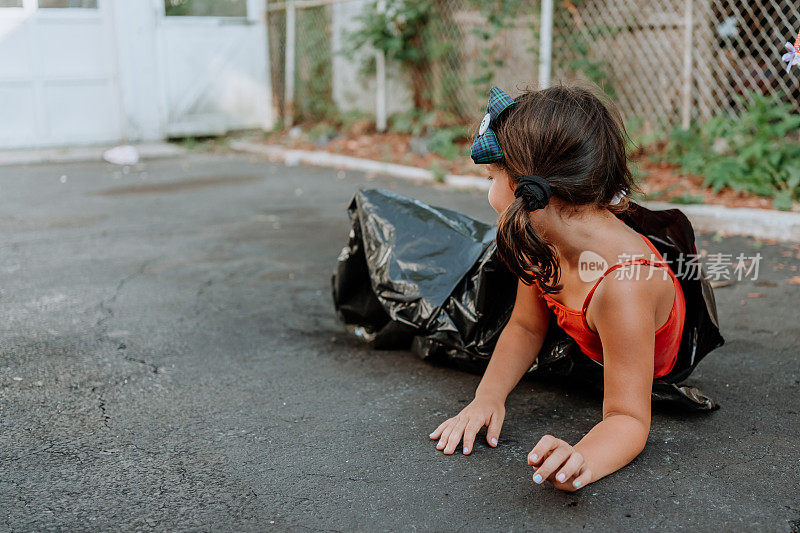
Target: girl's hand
{"x": 468, "y": 422}
{"x": 559, "y": 463}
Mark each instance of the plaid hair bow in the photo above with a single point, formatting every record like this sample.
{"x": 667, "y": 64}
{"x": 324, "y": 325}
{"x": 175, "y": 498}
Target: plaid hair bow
{"x": 486, "y": 148}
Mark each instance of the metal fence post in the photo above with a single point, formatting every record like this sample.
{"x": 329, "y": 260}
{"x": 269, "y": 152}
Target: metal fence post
{"x": 289, "y": 63}
{"x": 257, "y": 12}
{"x": 380, "y": 81}
{"x": 688, "y": 19}
{"x": 545, "y": 43}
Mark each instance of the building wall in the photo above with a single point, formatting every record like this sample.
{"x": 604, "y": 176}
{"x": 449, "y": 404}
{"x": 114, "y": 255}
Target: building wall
{"x": 124, "y": 72}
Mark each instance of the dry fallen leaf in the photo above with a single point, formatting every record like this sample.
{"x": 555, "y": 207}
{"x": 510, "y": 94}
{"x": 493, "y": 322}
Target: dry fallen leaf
{"x": 755, "y": 294}
{"x": 794, "y": 280}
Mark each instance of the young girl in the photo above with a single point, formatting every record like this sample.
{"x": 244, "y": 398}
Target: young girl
{"x": 558, "y": 164}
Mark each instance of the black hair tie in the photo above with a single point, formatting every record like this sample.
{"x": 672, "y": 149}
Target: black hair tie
{"x": 535, "y": 191}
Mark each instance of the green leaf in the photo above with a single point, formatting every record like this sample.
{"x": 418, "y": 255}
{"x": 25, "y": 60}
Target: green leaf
{"x": 687, "y": 199}
{"x": 793, "y": 179}
{"x": 782, "y": 200}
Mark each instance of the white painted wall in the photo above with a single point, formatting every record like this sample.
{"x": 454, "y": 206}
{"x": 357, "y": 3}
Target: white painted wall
{"x": 123, "y": 72}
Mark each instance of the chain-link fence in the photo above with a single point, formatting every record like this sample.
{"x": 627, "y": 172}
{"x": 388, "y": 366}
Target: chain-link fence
{"x": 664, "y": 62}
{"x": 309, "y": 94}
{"x": 669, "y": 61}
{"x": 446, "y": 58}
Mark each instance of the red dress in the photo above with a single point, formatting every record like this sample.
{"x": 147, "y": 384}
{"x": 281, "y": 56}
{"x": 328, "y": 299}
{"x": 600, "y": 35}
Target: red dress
{"x": 668, "y": 336}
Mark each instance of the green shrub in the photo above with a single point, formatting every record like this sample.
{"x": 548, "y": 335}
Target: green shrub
{"x": 413, "y": 121}
{"x": 639, "y": 137}
{"x": 443, "y": 141}
{"x": 687, "y": 198}
{"x": 757, "y": 152}
{"x": 439, "y": 175}
{"x": 347, "y": 119}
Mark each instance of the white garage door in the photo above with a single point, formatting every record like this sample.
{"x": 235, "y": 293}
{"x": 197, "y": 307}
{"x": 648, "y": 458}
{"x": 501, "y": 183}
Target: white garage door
{"x": 213, "y": 65}
{"x": 57, "y": 73}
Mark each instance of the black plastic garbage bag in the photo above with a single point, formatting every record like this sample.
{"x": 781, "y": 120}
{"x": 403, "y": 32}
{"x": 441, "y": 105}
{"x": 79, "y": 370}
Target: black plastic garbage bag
{"x": 429, "y": 279}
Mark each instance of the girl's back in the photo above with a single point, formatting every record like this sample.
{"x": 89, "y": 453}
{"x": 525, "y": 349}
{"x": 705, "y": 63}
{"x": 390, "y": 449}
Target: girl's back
{"x": 578, "y": 320}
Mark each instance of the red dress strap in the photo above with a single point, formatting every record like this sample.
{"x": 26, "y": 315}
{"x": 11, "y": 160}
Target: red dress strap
{"x": 609, "y": 270}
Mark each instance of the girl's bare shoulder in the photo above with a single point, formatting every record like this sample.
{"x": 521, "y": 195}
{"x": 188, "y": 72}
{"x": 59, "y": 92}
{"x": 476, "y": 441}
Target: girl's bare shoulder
{"x": 642, "y": 285}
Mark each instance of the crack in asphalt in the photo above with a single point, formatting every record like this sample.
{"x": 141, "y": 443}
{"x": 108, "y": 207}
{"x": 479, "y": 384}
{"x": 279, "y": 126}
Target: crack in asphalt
{"x": 713, "y": 471}
{"x": 101, "y": 403}
{"x": 105, "y": 305}
{"x": 155, "y": 369}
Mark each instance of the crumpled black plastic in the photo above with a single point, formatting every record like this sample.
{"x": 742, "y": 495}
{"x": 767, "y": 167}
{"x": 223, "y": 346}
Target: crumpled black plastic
{"x": 429, "y": 279}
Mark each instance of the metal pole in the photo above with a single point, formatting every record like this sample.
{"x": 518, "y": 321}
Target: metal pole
{"x": 545, "y": 44}
{"x": 688, "y": 19}
{"x": 380, "y": 81}
{"x": 258, "y": 12}
{"x": 289, "y": 64}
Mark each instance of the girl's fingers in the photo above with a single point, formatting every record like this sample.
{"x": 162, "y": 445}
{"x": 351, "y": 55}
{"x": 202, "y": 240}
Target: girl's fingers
{"x": 438, "y": 431}
{"x": 545, "y": 445}
{"x": 445, "y": 434}
{"x": 583, "y": 478}
{"x": 455, "y": 436}
{"x": 556, "y": 459}
{"x": 493, "y": 432}
{"x": 471, "y": 430}
{"x": 572, "y": 466}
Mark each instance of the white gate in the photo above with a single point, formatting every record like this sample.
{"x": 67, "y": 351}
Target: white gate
{"x": 58, "y": 83}
{"x": 213, "y": 67}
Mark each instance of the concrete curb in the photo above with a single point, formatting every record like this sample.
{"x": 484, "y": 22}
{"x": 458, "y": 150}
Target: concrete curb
{"x": 759, "y": 223}
{"x": 83, "y": 153}
{"x": 291, "y": 157}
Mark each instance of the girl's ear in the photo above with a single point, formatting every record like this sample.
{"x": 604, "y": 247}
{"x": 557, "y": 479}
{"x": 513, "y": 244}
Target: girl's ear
{"x": 507, "y": 175}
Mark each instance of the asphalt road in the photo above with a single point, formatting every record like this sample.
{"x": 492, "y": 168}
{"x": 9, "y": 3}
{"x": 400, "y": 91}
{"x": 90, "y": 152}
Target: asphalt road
{"x": 171, "y": 360}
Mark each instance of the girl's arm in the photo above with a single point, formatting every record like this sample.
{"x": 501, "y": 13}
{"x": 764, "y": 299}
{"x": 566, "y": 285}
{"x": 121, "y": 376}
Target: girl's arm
{"x": 626, "y": 325}
{"x": 518, "y": 345}
{"x": 625, "y": 312}
{"x": 516, "y": 350}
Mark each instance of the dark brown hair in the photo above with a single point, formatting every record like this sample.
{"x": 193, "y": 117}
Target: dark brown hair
{"x": 575, "y": 140}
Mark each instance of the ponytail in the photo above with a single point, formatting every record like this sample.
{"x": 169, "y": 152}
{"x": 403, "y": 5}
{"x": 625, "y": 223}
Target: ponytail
{"x": 523, "y": 250}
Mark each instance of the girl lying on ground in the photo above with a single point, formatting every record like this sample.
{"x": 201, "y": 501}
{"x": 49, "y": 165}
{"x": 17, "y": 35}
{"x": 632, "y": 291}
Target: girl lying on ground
{"x": 558, "y": 164}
